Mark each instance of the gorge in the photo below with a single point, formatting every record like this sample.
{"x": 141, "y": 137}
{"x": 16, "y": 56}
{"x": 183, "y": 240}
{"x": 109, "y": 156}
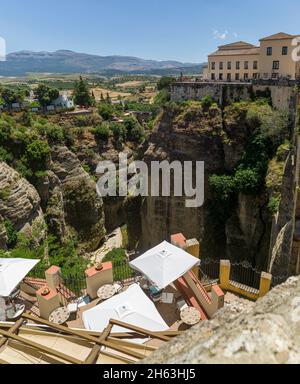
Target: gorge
{"x": 248, "y": 147}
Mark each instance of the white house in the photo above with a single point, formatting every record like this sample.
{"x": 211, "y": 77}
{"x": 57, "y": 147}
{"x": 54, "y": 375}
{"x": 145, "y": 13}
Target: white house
{"x": 64, "y": 101}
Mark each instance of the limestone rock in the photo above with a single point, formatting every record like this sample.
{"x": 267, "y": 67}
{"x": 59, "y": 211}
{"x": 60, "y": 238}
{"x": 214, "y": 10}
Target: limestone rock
{"x": 266, "y": 332}
{"x": 19, "y": 203}
{"x": 74, "y": 194}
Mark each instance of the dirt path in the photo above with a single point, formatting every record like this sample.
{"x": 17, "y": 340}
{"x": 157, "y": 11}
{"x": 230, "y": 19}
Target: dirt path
{"x": 115, "y": 240}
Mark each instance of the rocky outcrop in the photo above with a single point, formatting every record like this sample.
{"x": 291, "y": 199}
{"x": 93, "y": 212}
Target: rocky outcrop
{"x": 266, "y": 333}
{"x": 73, "y": 204}
{"x": 20, "y": 204}
{"x": 194, "y": 133}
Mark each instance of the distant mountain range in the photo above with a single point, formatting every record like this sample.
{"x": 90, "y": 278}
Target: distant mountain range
{"x": 63, "y": 61}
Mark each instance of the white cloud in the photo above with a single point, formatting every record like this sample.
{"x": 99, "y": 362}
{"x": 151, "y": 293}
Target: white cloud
{"x": 219, "y": 35}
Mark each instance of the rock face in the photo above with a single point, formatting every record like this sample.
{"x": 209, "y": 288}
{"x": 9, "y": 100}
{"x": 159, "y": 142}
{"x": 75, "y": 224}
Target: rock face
{"x": 73, "y": 204}
{"x": 219, "y": 139}
{"x": 266, "y": 333}
{"x": 19, "y": 203}
{"x": 184, "y": 137}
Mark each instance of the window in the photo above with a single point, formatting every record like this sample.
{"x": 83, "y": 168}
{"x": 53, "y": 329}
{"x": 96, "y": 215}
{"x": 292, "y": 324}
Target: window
{"x": 246, "y": 76}
{"x": 237, "y": 66}
{"x": 269, "y": 51}
{"x": 237, "y": 76}
{"x": 221, "y": 76}
{"x": 213, "y": 76}
{"x": 221, "y": 65}
{"x": 213, "y": 66}
{"x": 285, "y": 51}
{"x": 275, "y": 76}
{"x": 255, "y": 65}
{"x": 246, "y": 65}
{"x": 255, "y": 76}
{"x": 275, "y": 65}
{"x": 228, "y": 76}
{"x": 229, "y": 65}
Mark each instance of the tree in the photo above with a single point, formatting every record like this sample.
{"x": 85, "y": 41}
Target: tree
{"x": 165, "y": 82}
{"x": 82, "y": 94}
{"x": 37, "y": 153}
{"x": 10, "y": 95}
{"x": 134, "y": 130}
{"x": 46, "y": 95}
{"x": 106, "y": 111}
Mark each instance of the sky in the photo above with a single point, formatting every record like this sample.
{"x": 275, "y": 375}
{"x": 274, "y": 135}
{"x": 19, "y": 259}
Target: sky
{"x": 152, "y": 29}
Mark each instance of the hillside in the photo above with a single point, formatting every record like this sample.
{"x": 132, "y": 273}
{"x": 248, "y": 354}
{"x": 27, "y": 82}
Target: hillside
{"x": 64, "y": 61}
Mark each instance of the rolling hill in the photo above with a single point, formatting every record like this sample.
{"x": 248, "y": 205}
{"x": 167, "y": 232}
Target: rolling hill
{"x": 64, "y": 61}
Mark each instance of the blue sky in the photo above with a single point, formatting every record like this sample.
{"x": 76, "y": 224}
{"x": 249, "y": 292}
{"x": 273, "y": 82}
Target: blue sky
{"x": 155, "y": 29}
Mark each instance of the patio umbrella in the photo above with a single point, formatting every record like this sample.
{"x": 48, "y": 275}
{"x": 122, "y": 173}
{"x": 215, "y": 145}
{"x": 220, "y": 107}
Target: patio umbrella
{"x": 132, "y": 307}
{"x": 164, "y": 264}
{"x": 12, "y": 272}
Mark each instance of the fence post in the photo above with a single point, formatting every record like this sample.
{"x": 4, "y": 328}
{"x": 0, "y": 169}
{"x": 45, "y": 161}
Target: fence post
{"x": 193, "y": 248}
{"x": 53, "y": 277}
{"x": 95, "y": 279}
{"x": 47, "y": 301}
{"x": 225, "y": 267}
{"x": 265, "y": 283}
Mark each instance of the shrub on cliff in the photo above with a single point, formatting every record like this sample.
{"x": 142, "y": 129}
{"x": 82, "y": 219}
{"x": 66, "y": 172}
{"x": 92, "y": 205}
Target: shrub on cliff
{"x": 118, "y": 131}
{"x": 102, "y": 131}
{"x": 223, "y": 187}
{"x": 134, "y": 131}
{"x": 106, "y": 110}
{"x": 247, "y": 181}
{"x": 207, "y": 102}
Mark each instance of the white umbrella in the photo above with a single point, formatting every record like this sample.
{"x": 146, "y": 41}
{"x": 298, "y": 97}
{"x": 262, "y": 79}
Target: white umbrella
{"x": 164, "y": 264}
{"x": 12, "y": 272}
{"x": 131, "y": 307}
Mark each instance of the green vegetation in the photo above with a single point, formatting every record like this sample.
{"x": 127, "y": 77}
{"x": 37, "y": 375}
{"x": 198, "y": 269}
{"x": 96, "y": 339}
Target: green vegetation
{"x": 102, "y": 131}
{"x": 165, "y": 82}
{"x": 12, "y": 235}
{"x": 106, "y": 110}
{"x": 121, "y": 269}
{"x": 269, "y": 130}
{"x": 82, "y": 95}
{"x": 46, "y": 95}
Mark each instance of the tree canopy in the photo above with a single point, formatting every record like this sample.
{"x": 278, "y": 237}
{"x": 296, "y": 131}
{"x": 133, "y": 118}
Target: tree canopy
{"x": 46, "y": 95}
{"x": 82, "y": 95}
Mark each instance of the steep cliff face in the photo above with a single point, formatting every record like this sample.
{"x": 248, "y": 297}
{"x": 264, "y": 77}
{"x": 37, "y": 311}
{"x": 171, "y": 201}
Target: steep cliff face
{"x": 73, "y": 204}
{"x": 266, "y": 333}
{"x": 219, "y": 139}
{"x": 193, "y": 134}
{"x": 20, "y": 204}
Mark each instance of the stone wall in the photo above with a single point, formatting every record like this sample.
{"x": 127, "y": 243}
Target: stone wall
{"x": 230, "y": 92}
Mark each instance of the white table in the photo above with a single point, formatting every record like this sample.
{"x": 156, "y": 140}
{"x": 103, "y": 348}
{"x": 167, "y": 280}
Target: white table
{"x": 59, "y": 316}
{"x": 190, "y": 316}
{"x": 106, "y": 292}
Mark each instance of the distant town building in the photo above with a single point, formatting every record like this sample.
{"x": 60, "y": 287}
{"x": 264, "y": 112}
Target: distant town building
{"x": 64, "y": 101}
{"x": 241, "y": 61}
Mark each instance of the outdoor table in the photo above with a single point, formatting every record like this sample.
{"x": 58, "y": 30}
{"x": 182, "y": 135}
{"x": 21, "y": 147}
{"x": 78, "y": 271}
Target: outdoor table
{"x": 59, "y": 316}
{"x": 106, "y": 292}
{"x": 190, "y": 316}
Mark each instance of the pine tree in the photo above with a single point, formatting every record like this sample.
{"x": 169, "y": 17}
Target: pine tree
{"x": 82, "y": 94}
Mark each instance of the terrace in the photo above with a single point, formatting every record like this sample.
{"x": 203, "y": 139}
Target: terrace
{"x": 119, "y": 311}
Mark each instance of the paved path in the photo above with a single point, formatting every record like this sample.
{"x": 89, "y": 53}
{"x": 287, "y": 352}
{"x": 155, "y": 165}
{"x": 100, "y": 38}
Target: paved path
{"x": 115, "y": 240}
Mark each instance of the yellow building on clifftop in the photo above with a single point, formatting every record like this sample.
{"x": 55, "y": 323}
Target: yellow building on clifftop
{"x": 242, "y": 61}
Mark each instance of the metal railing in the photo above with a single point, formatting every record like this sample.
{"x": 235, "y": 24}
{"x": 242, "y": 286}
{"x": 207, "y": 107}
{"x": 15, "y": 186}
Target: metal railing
{"x": 244, "y": 273}
{"x": 241, "y": 272}
{"x": 75, "y": 286}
